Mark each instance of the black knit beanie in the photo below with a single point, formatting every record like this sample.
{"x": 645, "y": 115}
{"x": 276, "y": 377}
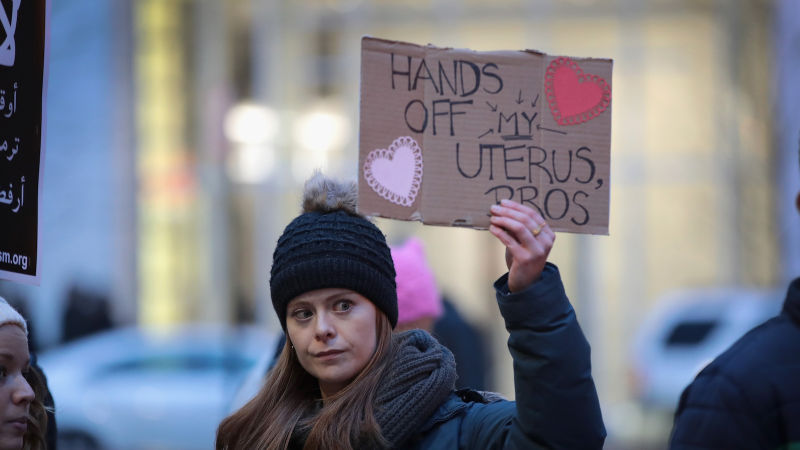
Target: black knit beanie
{"x": 331, "y": 246}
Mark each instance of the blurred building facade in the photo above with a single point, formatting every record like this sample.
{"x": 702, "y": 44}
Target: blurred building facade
{"x": 209, "y": 115}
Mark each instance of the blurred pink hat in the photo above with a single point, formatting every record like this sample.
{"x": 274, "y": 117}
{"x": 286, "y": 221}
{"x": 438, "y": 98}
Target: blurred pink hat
{"x": 417, "y": 294}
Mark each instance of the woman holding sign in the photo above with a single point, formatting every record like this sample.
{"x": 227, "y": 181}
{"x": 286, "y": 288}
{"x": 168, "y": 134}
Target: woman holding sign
{"x": 344, "y": 380}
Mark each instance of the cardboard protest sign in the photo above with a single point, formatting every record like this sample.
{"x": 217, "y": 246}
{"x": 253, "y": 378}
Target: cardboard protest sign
{"x": 447, "y": 133}
{"x": 23, "y": 81}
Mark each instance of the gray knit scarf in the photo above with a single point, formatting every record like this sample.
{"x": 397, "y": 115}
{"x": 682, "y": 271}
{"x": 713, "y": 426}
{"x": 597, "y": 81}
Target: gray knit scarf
{"x": 419, "y": 379}
{"x": 421, "y": 376}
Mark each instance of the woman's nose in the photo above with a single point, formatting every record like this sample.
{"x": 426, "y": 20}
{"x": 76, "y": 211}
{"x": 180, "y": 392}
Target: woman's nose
{"x": 324, "y": 327}
{"x": 23, "y": 392}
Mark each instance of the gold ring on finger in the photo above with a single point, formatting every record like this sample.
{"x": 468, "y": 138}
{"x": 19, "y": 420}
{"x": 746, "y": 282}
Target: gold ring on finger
{"x": 537, "y": 231}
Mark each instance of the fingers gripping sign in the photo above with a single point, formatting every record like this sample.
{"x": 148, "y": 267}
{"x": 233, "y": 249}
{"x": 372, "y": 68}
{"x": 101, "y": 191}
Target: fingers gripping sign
{"x": 528, "y": 240}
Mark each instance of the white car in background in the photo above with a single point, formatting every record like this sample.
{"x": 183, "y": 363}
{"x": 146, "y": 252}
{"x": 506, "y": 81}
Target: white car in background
{"x": 137, "y": 389}
{"x": 686, "y": 331}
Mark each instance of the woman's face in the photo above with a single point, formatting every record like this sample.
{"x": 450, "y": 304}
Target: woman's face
{"x": 16, "y": 394}
{"x": 333, "y": 334}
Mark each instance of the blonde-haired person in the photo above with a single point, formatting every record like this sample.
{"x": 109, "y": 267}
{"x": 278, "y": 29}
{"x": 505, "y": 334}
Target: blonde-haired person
{"x": 23, "y": 419}
{"x": 344, "y": 380}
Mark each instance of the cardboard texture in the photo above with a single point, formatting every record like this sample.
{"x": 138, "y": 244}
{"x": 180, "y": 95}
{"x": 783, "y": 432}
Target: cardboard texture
{"x": 446, "y": 133}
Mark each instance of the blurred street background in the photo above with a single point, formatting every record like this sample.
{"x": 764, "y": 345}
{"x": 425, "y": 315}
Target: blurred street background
{"x": 179, "y": 133}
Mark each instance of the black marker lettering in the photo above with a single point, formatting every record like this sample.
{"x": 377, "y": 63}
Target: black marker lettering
{"x": 532, "y": 163}
{"x": 569, "y": 167}
{"x": 589, "y": 162}
{"x": 406, "y": 73}
{"x": 585, "y": 211}
{"x": 443, "y": 77}
{"x": 534, "y": 192}
{"x": 429, "y": 77}
{"x": 506, "y": 160}
{"x": 497, "y": 196}
{"x": 458, "y": 162}
{"x": 421, "y": 129}
{"x": 508, "y": 120}
{"x": 492, "y": 75}
{"x": 477, "y": 77}
{"x": 529, "y": 120}
{"x": 548, "y": 204}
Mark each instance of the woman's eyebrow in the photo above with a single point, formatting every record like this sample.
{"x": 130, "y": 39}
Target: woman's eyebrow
{"x": 8, "y": 356}
{"x": 338, "y": 295}
{"x": 295, "y": 304}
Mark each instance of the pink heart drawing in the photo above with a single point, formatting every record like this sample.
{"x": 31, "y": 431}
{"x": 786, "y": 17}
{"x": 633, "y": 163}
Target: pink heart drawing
{"x": 574, "y": 97}
{"x": 395, "y": 173}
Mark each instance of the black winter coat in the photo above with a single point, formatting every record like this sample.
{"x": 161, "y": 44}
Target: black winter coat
{"x": 556, "y": 402}
{"x": 749, "y": 396}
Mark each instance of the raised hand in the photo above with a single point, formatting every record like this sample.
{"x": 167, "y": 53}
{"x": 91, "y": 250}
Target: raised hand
{"x": 528, "y": 240}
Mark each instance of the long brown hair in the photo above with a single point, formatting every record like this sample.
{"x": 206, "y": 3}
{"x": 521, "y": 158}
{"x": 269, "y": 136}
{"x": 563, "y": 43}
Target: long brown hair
{"x": 34, "y": 438}
{"x": 290, "y": 400}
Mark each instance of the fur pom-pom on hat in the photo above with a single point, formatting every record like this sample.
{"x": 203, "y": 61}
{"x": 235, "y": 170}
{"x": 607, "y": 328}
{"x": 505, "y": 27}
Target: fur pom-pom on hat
{"x": 323, "y": 195}
{"x": 9, "y": 315}
{"x": 330, "y": 245}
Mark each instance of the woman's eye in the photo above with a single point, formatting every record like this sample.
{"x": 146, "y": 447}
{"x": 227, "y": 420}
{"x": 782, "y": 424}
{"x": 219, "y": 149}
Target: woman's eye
{"x": 301, "y": 314}
{"x": 343, "y": 305}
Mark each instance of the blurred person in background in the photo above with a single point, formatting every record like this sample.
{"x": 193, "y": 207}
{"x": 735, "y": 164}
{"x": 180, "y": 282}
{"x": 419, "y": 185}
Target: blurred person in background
{"x": 23, "y": 424}
{"x": 749, "y": 396}
{"x": 468, "y": 345}
{"x": 345, "y": 380}
{"x": 86, "y": 312}
{"x": 420, "y": 305}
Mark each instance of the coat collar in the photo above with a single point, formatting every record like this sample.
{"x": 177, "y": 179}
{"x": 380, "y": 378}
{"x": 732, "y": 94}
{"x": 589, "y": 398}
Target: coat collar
{"x": 792, "y": 304}
{"x": 453, "y": 406}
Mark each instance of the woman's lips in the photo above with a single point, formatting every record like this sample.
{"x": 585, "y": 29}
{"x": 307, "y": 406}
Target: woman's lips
{"x": 330, "y": 354}
{"x": 20, "y": 425}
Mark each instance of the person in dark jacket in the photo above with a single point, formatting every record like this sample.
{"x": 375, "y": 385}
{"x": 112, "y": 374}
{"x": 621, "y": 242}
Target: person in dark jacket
{"x": 468, "y": 344}
{"x": 421, "y": 305}
{"x": 344, "y": 380}
{"x": 749, "y": 396}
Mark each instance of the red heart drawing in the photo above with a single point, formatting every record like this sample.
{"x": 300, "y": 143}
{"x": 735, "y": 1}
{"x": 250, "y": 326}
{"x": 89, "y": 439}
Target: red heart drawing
{"x": 574, "y": 97}
{"x": 395, "y": 173}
